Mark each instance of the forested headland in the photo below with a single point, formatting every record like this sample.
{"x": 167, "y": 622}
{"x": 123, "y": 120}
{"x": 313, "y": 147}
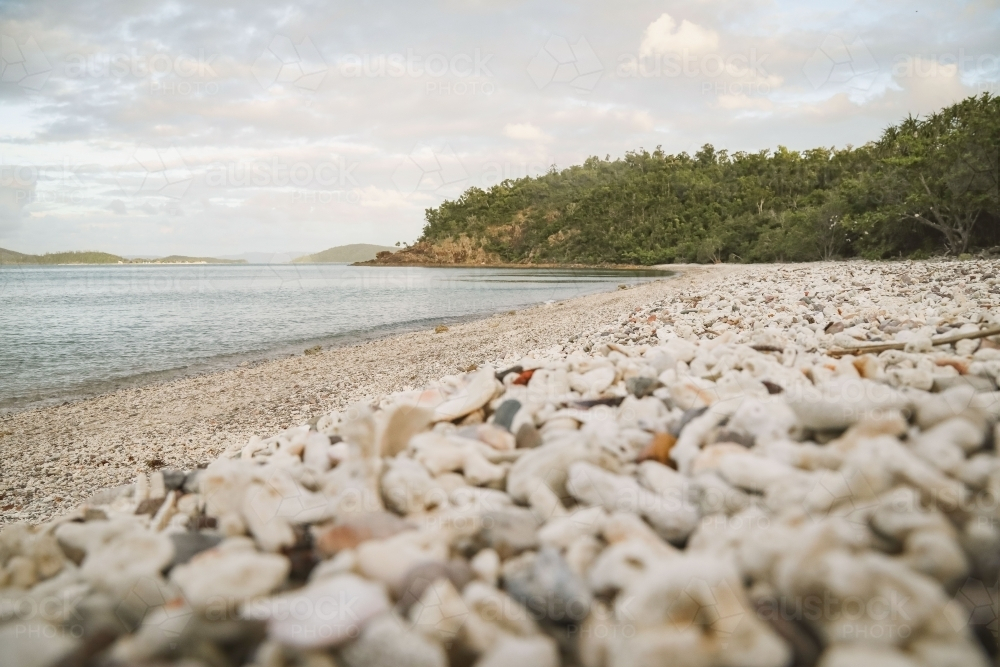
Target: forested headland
{"x": 927, "y": 186}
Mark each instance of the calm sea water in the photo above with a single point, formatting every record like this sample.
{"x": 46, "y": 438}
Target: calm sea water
{"x": 72, "y": 331}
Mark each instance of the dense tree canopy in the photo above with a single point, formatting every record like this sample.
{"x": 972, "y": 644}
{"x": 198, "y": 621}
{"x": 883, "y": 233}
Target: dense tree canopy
{"x": 926, "y": 186}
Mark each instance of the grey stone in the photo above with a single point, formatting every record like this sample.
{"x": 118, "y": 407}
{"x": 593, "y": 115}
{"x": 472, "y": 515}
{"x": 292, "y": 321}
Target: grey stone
{"x": 173, "y": 479}
{"x": 504, "y": 415}
{"x": 686, "y": 418}
{"x": 191, "y": 482}
{"x": 544, "y": 583}
{"x": 507, "y": 371}
{"x": 641, "y": 387}
{"x": 186, "y": 545}
{"x": 508, "y": 531}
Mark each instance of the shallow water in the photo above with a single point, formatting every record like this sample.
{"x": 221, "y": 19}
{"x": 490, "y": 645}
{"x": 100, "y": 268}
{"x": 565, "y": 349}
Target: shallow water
{"x": 72, "y": 331}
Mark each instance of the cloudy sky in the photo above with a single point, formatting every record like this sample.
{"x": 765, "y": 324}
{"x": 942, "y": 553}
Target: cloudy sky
{"x": 141, "y": 127}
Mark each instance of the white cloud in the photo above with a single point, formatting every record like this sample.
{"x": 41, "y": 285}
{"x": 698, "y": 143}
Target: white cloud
{"x": 525, "y": 132}
{"x": 664, "y": 36}
{"x": 747, "y": 86}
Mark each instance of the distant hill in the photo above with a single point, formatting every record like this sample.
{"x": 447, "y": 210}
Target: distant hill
{"x": 354, "y": 252}
{"x": 182, "y": 259}
{"x": 92, "y": 257}
{"x": 86, "y": 257}
{"x": 267, "y": 257}
{"x": 11, "y": 257}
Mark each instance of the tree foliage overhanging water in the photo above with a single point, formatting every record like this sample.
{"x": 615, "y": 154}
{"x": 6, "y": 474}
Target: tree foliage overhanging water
{"x": 927, "y": 186}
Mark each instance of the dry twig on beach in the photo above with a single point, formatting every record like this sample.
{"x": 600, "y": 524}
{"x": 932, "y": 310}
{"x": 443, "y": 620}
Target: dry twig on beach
{"x": 899, "y": 345}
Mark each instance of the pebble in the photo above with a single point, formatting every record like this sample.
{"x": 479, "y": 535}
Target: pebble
{"x": 537, "y": 651}
{"x": 388, "y": 641}
{"x": 504, "y": 416}
{"x": 229, "y": 574}
{"x": 543, "y": 582}
{"x": 23, "y": 648}
{"x": 528, "y": 436}
{"x": 326, "y": 613}
{"x": 650, "y": 492}
{"x": 189, "y": 544}
{"x": 508, "y": 531}
{"x": 351, "y": 530}
{"x": 640, "y": 387}
{"x": 422, "y": 576}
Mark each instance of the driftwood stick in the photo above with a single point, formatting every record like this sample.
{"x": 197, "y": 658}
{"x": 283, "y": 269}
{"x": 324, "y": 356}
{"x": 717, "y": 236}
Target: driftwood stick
{"x": 940, "y": 340}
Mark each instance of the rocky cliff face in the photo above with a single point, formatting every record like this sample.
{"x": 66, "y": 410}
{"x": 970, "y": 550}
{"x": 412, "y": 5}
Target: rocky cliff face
{"x": 461, "y": 251}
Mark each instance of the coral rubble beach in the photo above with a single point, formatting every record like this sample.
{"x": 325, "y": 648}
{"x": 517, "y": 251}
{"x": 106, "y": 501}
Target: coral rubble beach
{"x": 704, "y": 470}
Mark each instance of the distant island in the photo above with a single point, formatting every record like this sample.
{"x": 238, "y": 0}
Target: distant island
{"x": 272, "y": 257}
{"x": 354, "y": 252}
{"x": 93, "y": 257}
{"x": 182, "y": 259}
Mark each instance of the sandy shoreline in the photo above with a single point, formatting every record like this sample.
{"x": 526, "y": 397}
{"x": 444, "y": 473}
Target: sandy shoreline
{"x": 732, "y": 442}
{"x": 56, "y": 457}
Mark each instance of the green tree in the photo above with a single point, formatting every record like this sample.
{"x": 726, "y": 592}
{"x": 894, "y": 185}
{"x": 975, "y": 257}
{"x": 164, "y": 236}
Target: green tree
{"x": 942, "y": 171}
{"x": 925, "y": 186}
